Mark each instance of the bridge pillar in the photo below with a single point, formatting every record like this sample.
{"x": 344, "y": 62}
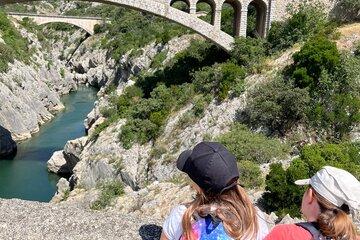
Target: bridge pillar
{"x": 217, "y": 19}
{"x": 243, "y": 21}
{"x": 270, "y": 16}
{"x": 192, "y": 7}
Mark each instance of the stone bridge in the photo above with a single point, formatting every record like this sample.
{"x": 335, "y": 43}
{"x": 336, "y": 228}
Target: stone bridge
{"x": 212, "y": 31}
{"x": 86, "y": 23}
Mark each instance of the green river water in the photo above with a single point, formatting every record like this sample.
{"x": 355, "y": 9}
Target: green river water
{"x": 26, "y": 175}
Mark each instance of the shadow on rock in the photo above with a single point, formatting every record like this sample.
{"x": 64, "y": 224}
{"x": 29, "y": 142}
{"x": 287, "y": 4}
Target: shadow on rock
{"x": 8, "y": 146}
{"x": 150, "y": 232}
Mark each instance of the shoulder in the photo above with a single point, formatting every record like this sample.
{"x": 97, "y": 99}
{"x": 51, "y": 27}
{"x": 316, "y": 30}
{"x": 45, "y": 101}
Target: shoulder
{"x": 262, "y": 223}
{"x": 288, "y": 232}
{"x": 172, "y": 226}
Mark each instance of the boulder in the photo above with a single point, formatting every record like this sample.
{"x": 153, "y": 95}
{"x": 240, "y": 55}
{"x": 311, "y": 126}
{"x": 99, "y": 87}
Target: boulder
{"x": 7, "y": 144}
{"x": 57, "y": 163}
{"x": 63, "y": 191}
{"x": 72, "y": 151}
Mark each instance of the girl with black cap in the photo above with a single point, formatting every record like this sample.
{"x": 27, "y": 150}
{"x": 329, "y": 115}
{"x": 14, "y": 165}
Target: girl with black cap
{"x": 326, "y": 205}
{"x": 221, "y": 208}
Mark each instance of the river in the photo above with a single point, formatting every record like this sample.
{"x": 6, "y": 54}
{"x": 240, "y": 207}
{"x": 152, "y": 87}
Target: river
{"x": 26, "y": 175}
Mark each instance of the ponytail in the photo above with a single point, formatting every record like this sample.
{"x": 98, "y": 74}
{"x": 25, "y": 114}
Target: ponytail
{"x": 335, "y": 222}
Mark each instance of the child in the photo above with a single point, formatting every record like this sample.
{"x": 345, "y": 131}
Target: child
{"x": 221, "y": 209}
{"x": 325, "y": 206}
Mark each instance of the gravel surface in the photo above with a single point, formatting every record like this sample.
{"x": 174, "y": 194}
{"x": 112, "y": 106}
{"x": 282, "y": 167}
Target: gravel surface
{"x": 34, "y": 220}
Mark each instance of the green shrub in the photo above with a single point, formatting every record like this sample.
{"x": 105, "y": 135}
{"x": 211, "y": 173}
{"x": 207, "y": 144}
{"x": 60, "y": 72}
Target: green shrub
{"x": 218, "y": 79}
{"x": 249, "y": 52}
{"x": 6, "y": 56}
{"x": 333, "y": 84}
{"x": 159, "y": 59}
{"x": 178, "y": 71}
{"x": 62, "y": 72}
{"x": 283, "y": 196}
{"x": 255, "y": 147}
{"x": 250, "y": 174}
{"x": 138, "y": 130}
{"x": 305, "y": 20}
{"x": 317, "y": 55}
{"x": 109, "y": 191}
{"x": 98, "y": 130}
{"x": 276, "y": 105}
{"x": 127, "y": 25}
{"x": 15, "y": 47}
{"x": 99, "y": 28}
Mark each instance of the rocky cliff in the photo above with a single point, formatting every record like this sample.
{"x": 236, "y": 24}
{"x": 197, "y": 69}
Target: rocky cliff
{"x": 30, "y": 93}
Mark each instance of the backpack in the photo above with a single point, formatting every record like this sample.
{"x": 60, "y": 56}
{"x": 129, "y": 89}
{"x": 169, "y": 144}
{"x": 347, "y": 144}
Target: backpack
{"x": 312, "y": 228}
{"x": 209, "y": 228}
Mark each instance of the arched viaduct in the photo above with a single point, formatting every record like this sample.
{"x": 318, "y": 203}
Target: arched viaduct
{"x": 86, "y": 23}
{"x": 164, "y": 8}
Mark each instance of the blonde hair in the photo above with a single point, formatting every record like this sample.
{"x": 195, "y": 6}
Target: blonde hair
{"x": 233, "y": 207}
{"x": 334, "y": 221}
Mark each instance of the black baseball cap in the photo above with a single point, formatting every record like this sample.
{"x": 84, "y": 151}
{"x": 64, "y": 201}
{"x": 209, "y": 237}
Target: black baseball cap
{"x": 210, "y": 165}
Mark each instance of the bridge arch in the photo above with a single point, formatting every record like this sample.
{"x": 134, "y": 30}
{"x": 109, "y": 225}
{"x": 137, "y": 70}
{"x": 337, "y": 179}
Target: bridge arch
{"x": 261, "y": 8}
{"x": 184, "y": 5}
{"x": 236, "y": 7}
{"x": 163, "y": 9}
{"x": 265, "y": 11}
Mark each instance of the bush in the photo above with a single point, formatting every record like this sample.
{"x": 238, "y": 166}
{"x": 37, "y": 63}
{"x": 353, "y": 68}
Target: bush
{"x": 255, "y": 147}
{"x": 159, "y": 59}
{"x": 127, "y": 25}
{"x": 218, "y": 79}
{"x": 283, "y": 196}
{"x": 250, "y": 174}
{"x": 249, "y": 52}
{"x": 15, "y": 47}
{"x": 6, "y": 57}
{"x": 276, "y": 105}
{"x": 333, "y": 84}
{"x": 317, "y": 55}
{"x": 305, "y": 21}
{"x": 109, "y": 191}
{"x": 178, "y": 71}
{"x": 138, "y": 130}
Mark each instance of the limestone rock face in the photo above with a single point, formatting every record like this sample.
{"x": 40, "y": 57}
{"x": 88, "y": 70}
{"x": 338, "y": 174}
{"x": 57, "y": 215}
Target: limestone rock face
{"x": 7, "y": 144}
{"x": 30, "y": 94}
{"x": 62, "y": 162}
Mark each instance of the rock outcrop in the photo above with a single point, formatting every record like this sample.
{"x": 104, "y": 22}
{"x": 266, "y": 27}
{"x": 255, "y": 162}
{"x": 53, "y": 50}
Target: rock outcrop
{"x": 7, "y": 144}
{"x": 30, "y": 94}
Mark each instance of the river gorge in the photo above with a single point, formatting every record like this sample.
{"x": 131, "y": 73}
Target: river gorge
{"x": 26, "y": 176}
{"x": 100, "y": 117}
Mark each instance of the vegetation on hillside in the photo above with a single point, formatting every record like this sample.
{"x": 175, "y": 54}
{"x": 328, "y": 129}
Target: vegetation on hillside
{"x": 283, "y": 196}
{"x": 14, "y": 45}
{"x": 109, "y": 190}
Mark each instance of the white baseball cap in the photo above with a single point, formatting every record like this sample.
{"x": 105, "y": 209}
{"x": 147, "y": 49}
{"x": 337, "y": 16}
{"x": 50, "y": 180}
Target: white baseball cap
{"x": 335, "y": 185}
